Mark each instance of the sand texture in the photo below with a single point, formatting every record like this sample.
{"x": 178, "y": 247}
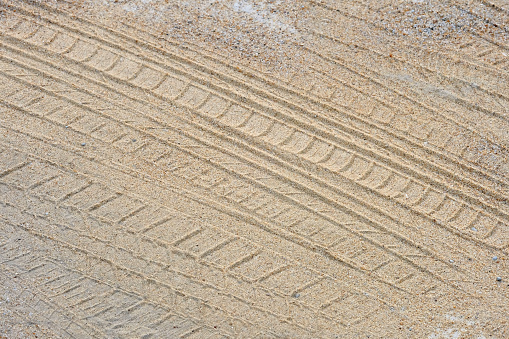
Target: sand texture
{"x": 254, "y": 169}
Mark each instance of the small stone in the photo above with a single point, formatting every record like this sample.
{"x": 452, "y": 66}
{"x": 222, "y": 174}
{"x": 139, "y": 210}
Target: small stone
{"x": 495, "y": 258}
{"x": 83, "y": 144}
{"x": 296, "y": 295}
{"x": 474, "y": 229}
{"x": 499, "y": 278}
{"x": 451, "y": 261}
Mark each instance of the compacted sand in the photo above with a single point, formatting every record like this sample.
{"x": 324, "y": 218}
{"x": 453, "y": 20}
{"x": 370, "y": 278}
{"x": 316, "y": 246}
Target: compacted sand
{"x": 254, "y": 169}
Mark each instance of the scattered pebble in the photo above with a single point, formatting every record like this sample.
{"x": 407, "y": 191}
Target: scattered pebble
{"x": 451, "y": 261}
{"x": 296, "y": 295}
{"x": 495, "y": 258}
{"x": 499, "y": 278}
{"x": 83, "y": 144}
{"x": 474, "y": 229}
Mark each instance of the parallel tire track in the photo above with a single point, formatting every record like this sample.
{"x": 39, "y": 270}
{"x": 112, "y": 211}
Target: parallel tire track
{"x": 189, "y": 175}
{"x": 152, "y": 200}
{"x": 316, "y": 147}
{"x": 92, "y": 119}
{"x": 151, "y": 240}
{"x": 206, "y": 72}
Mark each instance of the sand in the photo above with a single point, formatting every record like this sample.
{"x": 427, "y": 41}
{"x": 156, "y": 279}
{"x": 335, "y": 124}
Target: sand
{"x": 254, "y": 169}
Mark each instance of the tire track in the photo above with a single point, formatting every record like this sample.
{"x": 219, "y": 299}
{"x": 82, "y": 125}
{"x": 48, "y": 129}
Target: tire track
{"x": 276, "y": 181}
{"x": 345, "y": 274}
{"x": 173, "y": 179}
{"x": 27, "y": 313}
{"x": 417, "y": 124}
{"x": 456, "y": 97}
{"x": 329, "y": 122}
{"x": 89, "y": 299}
{"x": 492, "y": 52}
{"x": 472, "y": 221}
{"x": 126, "y": 241}
{"x": 442, "y": 67}
{"x": 94, "y": 119}
{"x": 104, "y": 197}
{"x": 97, "y": 119}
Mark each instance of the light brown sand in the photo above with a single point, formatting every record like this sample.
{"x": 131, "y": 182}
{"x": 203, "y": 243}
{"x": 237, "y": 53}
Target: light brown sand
{"x": 254, "y": 169}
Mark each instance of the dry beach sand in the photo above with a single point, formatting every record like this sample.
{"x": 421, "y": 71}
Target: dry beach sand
{"x": 254, "y": 169}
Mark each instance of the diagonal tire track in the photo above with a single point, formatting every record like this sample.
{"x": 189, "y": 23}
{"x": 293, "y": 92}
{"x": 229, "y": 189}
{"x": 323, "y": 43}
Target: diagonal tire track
{"x": 269, "y": 213}
{"x": 207, "y": 72}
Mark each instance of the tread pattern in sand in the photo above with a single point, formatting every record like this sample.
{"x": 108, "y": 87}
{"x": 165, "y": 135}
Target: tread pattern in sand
{"x": 157, "y": 196}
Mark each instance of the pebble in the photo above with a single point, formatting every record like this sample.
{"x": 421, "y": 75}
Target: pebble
{"x": 296, "y": 295}
{"x": 83, "y": 144}
{"x": 499, "y": 278}
{"x": 495, "y": 258}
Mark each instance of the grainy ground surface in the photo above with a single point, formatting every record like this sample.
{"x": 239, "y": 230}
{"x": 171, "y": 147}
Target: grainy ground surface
{"x": 254, "y": 169}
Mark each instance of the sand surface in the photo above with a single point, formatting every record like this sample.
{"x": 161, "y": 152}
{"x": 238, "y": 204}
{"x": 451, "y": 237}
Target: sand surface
{"x": 254, "y": 169}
